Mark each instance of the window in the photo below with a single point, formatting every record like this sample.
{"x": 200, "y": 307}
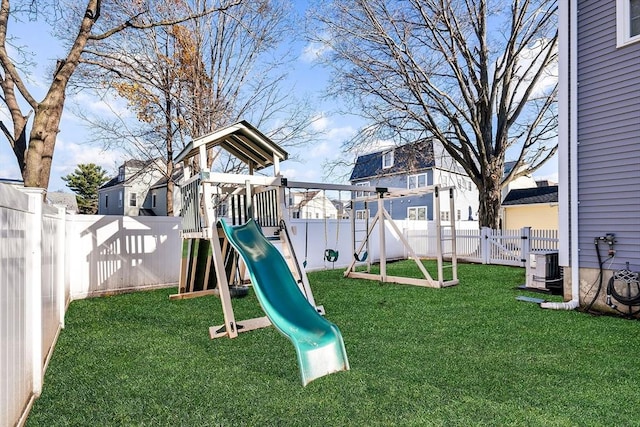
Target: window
{"x": 628, "y": 21}
{"x": 133, "y": 199}
{"x": 458, "y": 215}
{"x": 387, "y": 160}
{"x": 362, "y": 214}
{"x": 153, "y": 199}
{"x": 106, "y": 200}
{"x": 416, "y": 181}
{"x": 417, "y": 213}
{"x": 444, "y": 216}
{"x": 120, "y": 199}
{"x": 121, "y": 174}
{"x": 296, "y": 215}
{"x": 361, "y": 184}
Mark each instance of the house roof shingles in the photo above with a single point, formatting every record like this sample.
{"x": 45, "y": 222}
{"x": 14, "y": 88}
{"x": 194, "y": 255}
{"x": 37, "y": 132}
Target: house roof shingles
{"x": 528, "y": 196}
{"x": 410, "y": 157}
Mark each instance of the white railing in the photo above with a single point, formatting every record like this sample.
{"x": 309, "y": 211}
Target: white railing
{"x": 486, "y": 246}
{"x": 48, "y": 258}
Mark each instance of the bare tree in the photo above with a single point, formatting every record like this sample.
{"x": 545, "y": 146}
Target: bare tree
{"x": 192, "y": 78}
{"x": 473, "y": 75}
{"x": 94, "y": 22}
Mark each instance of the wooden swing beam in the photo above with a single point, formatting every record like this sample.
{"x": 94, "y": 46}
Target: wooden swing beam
{"x": 383, "y": 216}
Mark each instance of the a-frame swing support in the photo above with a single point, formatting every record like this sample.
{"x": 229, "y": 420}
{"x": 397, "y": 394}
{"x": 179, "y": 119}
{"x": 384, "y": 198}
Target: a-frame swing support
{"x": 381, "y": 219}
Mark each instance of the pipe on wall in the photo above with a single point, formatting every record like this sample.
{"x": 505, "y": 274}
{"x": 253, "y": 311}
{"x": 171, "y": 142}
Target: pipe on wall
{"x": 568, "y": 43}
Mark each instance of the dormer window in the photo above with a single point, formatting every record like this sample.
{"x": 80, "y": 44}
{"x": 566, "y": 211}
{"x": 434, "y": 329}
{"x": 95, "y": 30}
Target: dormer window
{"x": 121, "y": 174}
{"x": 387, "y": 160}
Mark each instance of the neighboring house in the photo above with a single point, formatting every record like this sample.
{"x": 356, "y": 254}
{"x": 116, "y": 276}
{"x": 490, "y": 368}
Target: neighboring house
{"x": 66, "y": 200}
{"x": 312, "y": 205}
{"x": 535, "y": 207}
{"x": 420, "y": 164}
{"x": 599, "y": 143}
{"x": 126, "y": 194}
{"x": 155, "y": 203}
{"x": 525, "y": 181}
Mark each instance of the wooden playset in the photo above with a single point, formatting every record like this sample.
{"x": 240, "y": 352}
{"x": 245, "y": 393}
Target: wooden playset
{"x": 217, "y": 259}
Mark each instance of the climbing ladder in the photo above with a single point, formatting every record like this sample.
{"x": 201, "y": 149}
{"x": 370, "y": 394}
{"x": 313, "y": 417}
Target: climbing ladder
{"x": 360, "y": 238}
{"x": 446, "y": 239}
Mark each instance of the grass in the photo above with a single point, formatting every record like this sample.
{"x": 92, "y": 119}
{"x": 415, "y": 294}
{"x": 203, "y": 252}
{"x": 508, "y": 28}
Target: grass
{"x": 466, "y": 355}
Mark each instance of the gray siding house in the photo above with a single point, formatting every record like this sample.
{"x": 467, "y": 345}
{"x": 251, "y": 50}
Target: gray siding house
{"x": 130, "y": 193}
{"x": 420, "y": 164}
{"x": 599, "y": 152}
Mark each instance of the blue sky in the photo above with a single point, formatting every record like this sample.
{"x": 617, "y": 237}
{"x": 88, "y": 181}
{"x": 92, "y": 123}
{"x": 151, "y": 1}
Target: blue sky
{"x": 72, "y": 147}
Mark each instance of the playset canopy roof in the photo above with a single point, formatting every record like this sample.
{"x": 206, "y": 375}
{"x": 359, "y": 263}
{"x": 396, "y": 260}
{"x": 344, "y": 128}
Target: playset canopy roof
{"x": 241, "y": 140}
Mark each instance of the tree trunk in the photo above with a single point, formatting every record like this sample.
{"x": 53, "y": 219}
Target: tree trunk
{"x": 490, "y": 197}
{"x": 170, "y": 169}
{"x": 42, "y": 140}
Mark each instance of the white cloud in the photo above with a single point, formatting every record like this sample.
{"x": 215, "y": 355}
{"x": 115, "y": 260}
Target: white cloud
{"x": 320, "y": 123}
{"x": 107, "y": 105}
{"x": 552, "y": 177}
{"x": 550, "y": 75}
{"x": 68, "y": 155}
{"x": 313, "y": 51}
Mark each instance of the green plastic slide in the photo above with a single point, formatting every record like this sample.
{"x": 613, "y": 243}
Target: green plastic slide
{"x": 318, "y": 342}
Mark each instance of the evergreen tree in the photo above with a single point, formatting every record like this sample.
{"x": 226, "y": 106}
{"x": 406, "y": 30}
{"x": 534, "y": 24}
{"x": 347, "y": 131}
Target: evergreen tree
{"x": 85, "y": 181}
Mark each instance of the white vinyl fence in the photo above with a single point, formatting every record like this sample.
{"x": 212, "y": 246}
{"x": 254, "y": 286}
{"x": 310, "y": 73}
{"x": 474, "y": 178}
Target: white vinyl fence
{"x": 312, "y": 237}
{"x": 486, "y": 246}
{"x": 48, "y": 258}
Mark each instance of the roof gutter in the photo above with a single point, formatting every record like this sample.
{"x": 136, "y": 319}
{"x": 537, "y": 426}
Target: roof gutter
{"x": 568, "y": 140}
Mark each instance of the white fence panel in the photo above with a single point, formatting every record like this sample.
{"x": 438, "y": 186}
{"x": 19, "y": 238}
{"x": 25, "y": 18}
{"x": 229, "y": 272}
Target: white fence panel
{"x": 16, "y": 374}
{"x": 544, "y": 240}
{"x": 503, "y": 247}
{"x": 329, "y": 235}
{"x": 52, "y": 276}
{"x": 119, "y": 253}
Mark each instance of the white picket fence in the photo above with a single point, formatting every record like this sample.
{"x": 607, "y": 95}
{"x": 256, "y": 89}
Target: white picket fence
{"x": 487, "y": 246}
{"x": 48, "y": 258}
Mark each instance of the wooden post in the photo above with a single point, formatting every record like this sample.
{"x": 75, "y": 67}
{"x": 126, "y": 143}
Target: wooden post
{"x": 454, "y": 238}
{"x": 223, "y": 287}
{"x": 436, "y": 196}
{"x": 382, "y": 233}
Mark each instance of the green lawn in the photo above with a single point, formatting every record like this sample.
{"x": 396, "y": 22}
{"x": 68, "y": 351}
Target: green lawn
{"x": 466, "y": 355}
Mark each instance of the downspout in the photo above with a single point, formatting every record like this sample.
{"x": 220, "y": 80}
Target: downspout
{"x": 568, "y": 93}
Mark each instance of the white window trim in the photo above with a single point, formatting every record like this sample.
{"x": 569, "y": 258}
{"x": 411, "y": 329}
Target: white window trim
{"x": 417, "y": 176}
{"x": 384, "y": 156}
{"x": 623, "y": 24}
{"x": 416, "y": 208}
{"x": 361, "y": 184}
{"x": 362, "y": 213}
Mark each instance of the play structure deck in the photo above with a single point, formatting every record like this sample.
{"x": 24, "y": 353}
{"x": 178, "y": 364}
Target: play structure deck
{"x": 236, "y": 231}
